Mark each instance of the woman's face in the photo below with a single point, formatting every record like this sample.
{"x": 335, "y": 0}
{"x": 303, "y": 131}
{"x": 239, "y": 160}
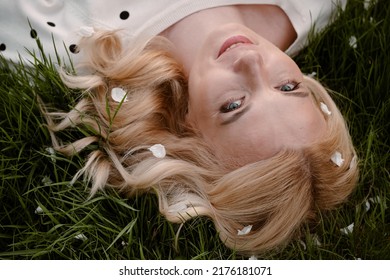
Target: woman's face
{"x": 246, "y": 97}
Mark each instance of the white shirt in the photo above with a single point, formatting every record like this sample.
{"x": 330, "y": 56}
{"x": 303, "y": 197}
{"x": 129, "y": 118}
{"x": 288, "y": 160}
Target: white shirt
{"x": 65, "y": 21}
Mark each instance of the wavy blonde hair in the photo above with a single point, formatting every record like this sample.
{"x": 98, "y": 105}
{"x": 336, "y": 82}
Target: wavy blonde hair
{"x": 275, "y": 196}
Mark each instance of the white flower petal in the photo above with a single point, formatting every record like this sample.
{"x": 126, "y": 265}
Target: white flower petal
{"x": 325, "y": 109}
{"x": 52, "y": 153}
{"x": 245, "y": 230}
{"x": 367, "y": 4}
{"x": 375, "y": 199}
{"x": 118, "y": 94}
{"x": 158, "y": 151}
{"x": 81, "y": 237}
{"x": 46, "y": 181}
{"x": 367, "y": 206}
{"x": 347, "y": 230}
{"x": 353, "y": 162}
{"x": 39, "y": 210}
{"x": 337, "y": 158}
{"x": 378, "y": 200}
{"x": 316, "y": 240}
{"x": 253, "y": 258}
{"x": 312, "y": 74}
{"x": 353, "y": 42}
{"x": 303, "y": 244}
{"x": 86, "y": 31}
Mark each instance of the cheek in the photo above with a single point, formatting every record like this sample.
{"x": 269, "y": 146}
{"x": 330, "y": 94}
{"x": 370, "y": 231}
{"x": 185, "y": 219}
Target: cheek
{"x": 244, "y": 143}
{"x": 307, "y": 125}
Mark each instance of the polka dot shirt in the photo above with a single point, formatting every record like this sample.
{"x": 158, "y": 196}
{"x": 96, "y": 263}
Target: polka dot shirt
{"x": 60, "y": 24}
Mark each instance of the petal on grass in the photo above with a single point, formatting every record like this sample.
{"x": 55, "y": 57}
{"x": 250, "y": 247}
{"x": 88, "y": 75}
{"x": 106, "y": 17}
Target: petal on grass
{"x": 52, "y": 153}
{"x": 81, "y": 237}
{"x": 366, "y": 206}
{"x": 39, "y": 210}
{"x": 377, "y": 200}
{"x": 316, "y": 240}
{"x": 245, "y": 230}
{"x": 47, "y": 181}
{"x": 303, "y": 244}
{"x": 367, "y": 3}
{"x": 347, "y": 230}
{"x": 353, "y": 42}
{"x": 253, "y": 258}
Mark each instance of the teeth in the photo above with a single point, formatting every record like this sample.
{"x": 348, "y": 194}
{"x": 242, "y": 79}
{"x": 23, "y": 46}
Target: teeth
{"x": 233, "y": 46}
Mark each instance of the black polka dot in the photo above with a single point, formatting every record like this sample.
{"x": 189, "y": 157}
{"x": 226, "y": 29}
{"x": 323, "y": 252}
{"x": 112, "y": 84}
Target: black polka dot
{"x": 2, "y": 47}
{"x": 74, "y": 48}
{"x": 33, "y": 34}
{"x": 124, "y": 15}
{"x": 52, "y": 24}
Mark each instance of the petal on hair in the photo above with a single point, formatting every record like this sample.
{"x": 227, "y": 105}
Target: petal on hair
{"x": 348, "y": 230}
{"x": 118, "y": 94}
{"x": 245, "y": 230}
{"x": 39, "y": 210}
{"x": 158, "y": 151}
{"x": 86, "y": 31}
{"x": 325, "y": 109}
{"x": 353, "y": 162}
{"x": 337, "y": 158}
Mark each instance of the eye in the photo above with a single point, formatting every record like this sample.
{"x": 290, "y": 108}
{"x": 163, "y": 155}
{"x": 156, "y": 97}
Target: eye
{"x": 232, "y": 105}
{"x": 289, "y": 86}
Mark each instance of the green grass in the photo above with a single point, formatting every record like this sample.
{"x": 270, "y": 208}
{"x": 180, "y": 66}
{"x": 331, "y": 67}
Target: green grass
{"x": 111, "y": 227}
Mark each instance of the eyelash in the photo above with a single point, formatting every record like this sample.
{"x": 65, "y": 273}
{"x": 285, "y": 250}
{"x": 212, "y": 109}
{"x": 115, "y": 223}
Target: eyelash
{"x": 225, "y": 107}
{"x": 294, "y": 83}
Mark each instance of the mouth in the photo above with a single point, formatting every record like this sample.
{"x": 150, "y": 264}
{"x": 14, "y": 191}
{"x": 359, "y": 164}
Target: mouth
{"x": 233, "y": 42}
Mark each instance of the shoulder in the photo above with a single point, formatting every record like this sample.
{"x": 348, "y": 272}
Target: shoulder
{"x": 307, "y": 16}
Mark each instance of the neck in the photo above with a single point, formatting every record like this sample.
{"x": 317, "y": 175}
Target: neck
{"x": 268, "y": 21}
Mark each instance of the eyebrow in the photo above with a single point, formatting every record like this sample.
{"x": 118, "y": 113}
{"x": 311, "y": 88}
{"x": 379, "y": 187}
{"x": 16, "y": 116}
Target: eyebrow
{"x": 240, "y": 113}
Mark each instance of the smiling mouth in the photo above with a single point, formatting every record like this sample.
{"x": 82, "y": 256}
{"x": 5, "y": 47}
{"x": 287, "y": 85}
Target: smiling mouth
{"x": 233, "y": 42}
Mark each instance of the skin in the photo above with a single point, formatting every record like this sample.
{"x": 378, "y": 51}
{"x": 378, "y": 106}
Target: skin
{"x": 247, "y": 101}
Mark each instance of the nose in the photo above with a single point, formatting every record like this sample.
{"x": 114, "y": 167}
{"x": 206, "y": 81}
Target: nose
{"x": 250, "y": 62}
{"x": 251, "y": 67}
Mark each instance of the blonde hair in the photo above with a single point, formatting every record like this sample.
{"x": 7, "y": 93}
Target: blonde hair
{"x": 275, "y": 196}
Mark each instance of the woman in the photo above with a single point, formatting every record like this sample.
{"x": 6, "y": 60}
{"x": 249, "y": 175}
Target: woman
{"x": 215, "y": 117}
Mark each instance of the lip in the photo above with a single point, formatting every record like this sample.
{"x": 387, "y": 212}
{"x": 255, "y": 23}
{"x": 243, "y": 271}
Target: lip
{"x": 238, "y": 39}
